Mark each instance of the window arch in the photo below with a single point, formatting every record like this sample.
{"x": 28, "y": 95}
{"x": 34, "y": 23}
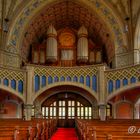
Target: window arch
{"x": 37, "y": 83}
{"x": 67, "y": 109}
{"x": 6, "y": 82}
{"x": 118, "y": 83}
{"x": 13, "y": 84}
{"x": 125, "y": 82}
{"x": 110, "y": 86}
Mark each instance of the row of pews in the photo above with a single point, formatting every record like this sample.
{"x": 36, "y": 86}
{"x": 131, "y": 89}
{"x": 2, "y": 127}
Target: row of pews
{"x": 108, "y": 130}
{"x": 18, "y": 129}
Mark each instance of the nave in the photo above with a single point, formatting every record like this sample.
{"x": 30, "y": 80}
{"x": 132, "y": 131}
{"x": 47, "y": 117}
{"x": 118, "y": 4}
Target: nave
{"x": 65, "y": 133}
{"x": 47, "y": 129}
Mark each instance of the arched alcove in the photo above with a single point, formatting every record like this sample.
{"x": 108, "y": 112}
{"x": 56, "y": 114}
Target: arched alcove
{"x": 124, "y": 103}
{"x": 67, "y": 93}
{"x": 11, "y": 106}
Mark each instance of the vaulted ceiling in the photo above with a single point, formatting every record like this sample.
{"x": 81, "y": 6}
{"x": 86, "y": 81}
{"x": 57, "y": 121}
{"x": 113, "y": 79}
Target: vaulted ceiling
{"x": 67, "y": 14}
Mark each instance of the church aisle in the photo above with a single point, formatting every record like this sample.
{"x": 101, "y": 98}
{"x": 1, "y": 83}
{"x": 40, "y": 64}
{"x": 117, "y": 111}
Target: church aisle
{"x": 65, "y": 134}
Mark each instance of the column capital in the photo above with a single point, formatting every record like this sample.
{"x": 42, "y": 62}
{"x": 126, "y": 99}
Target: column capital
{"x": 102, "y": 104}
{"x": 28, "y": 106}
{"x": 102, "y": 112}
{"x": 29, "y": 68}
{"x": 28, "y": 111}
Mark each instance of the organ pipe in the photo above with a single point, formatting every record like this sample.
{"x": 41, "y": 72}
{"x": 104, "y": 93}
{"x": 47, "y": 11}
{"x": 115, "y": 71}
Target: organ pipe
{"x": 51, "y": 50}
{"x": 82, "y": 46}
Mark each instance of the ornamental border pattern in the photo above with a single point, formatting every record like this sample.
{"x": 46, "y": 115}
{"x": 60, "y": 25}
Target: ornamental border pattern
{"x": 127, "y": 73}
{"x": 11, "y": 74}
{"x": 64, "y": 71}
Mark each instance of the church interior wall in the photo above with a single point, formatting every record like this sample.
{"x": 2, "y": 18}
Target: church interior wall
{"x": 108, "y": 65}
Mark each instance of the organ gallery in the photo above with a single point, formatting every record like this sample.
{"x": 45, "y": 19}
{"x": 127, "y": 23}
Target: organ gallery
{"x": 66, "y": 47}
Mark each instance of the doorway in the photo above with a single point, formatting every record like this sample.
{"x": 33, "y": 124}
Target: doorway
{"x": 65, "y": 107}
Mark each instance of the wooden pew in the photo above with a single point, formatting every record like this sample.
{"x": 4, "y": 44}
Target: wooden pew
{"x": 108, "y": 130}
{"x": 23, "y": 130}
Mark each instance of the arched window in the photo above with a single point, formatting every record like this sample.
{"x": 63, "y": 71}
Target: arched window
{"x": 118, "y": 83}
{"x": 43, "y": 81}
{"x": 68, "y": 78}
{"x": 94, "y": 83}
{"x": 50, "y": 80}
{"x": 82, "y": 79}
{"x": 56, "y": 79}
{"x": 125, "y": 82}
{"x": 67, "y": 109}
{"x": 37, "y": 83}
{"x": 20, "y": 86}
{"x": 62, "y": 78}
{"x": 109, "y": 110}
{"x": 88, "y": 81}
{"x": 133, "y": 80}
{"x": 6, "y": 82}
{"x": 75, "y": 79}
{"x": 110, "y": 86}
{"x": 13, "y": 84}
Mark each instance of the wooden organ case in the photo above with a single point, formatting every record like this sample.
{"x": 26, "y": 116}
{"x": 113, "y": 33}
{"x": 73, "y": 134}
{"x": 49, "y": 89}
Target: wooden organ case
{"x": 67, "y": 51}
{"x": 67, "y": 48}
{"x": 39, "y": 54}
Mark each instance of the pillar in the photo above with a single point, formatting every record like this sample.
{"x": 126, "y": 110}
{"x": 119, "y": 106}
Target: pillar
{"x": 137, "y": 112}
{"x": 136, "y": 56}
{"x": 38, "y": 112}
{"x": 29, "y": 93}
{"x": 102, "y": 112}
{"x": 102, "y": 94}
{"x": 28, "y": 111}
{"x": 101, "y": 85}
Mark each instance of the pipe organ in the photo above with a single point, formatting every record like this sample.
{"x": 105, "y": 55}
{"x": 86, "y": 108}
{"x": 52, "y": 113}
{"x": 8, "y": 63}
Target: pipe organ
{"x": 51, "y": 50}
{"x": 38, "y": 53}
{"x": 82, "y": 45}
{"x": 66, "y": 47}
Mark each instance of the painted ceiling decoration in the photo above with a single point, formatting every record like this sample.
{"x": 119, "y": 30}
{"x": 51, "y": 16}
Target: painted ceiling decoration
{"x": 91, "y": 13}
{"x": 67, "y": 14}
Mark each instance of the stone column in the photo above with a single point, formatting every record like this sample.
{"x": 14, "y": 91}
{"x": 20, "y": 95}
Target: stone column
{"x": 137, "y": 111}
{"x": 29, "y": 80}
{"x": 19, "y": 111}
{"x": 102, "y": 94}
{"x": 1, "y": 57}
{"x": 29, "y": 93}
{"x": 38, "y": 112}
{"x": 102, "y": 112}
{"x": 136, "y": 56}
{"x": 101, "y": 85}
{"x": 28, "y": 111}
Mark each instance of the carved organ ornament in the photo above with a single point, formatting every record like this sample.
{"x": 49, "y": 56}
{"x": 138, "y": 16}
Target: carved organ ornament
{"x": 66, "y": 48}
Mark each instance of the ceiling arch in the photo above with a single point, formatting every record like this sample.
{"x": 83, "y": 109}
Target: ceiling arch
{"x": 96, "y": 16}
{"x": 67, "y": 14}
